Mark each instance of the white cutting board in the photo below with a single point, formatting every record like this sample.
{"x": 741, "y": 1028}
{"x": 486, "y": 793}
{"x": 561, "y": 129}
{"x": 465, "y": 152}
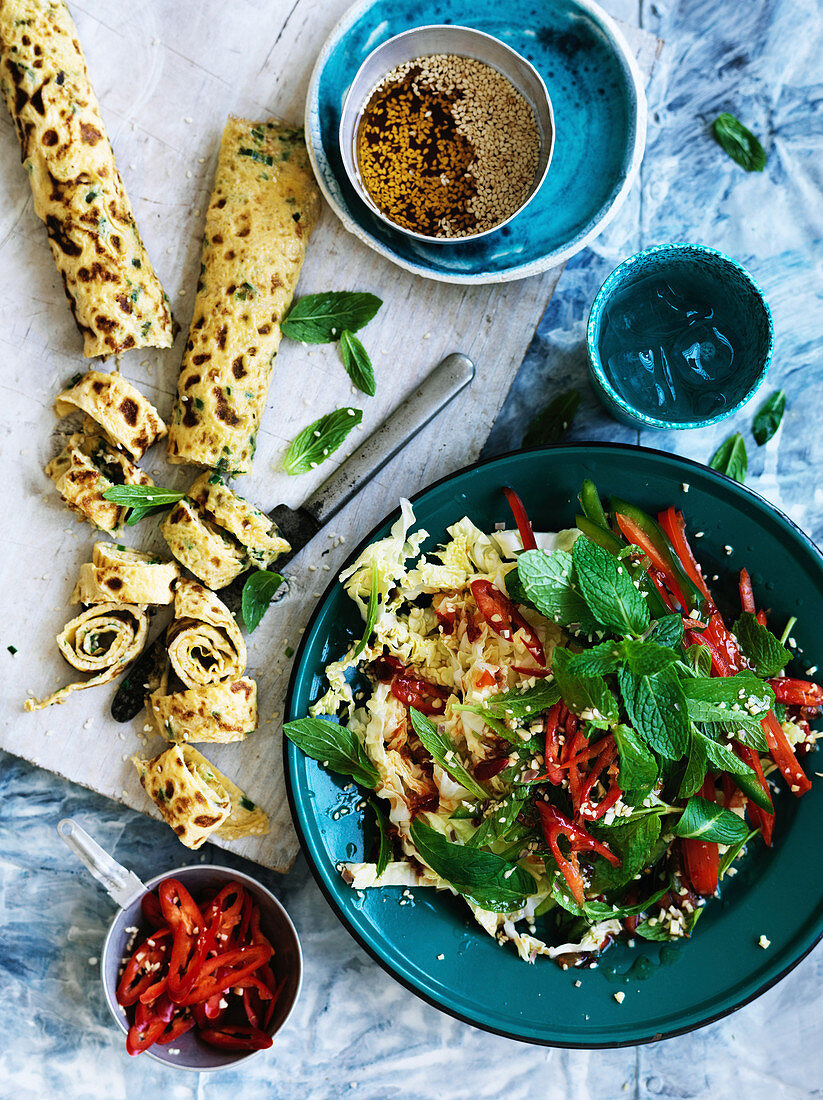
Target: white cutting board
{"x": 167, "y": 74}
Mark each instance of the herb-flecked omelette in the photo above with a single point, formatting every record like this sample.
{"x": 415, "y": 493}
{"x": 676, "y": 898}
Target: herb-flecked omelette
{"x": 115, "y": 295}
{"x": 263, "y": 209}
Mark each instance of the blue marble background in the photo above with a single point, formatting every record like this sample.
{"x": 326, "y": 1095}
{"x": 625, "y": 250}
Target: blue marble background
{"x": 355, "y": 1031}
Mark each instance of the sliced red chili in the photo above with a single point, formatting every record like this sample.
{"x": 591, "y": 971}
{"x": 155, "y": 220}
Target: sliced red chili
{"x": 760, "y": 818}
{"x": 553, "y": 824}
{"x": 487, "y": 769}
{"x": 521, "y": 518}
{"x": 504, "y": 618}
{"x": 783, "y": 755}
{"x": 746, "y": 592}
{"x": 150, "y": 905}
{"x": 149, "y": 1024}
{"x": 674, "y": 525}
{"x": 420, "y": 694}
{"x": 233, "y": 967}
{"x": 701, "y": 858}
{"x": 143, "y": 967}
{"x": 801, "y": 693}
{"x": 236, "y": 1037}
{"x": 178, "y": 1026}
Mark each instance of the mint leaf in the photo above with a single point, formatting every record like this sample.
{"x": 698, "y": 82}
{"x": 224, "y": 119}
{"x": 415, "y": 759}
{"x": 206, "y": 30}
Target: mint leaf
{"x": 638, "y": 766}
{"x": 523, "y": 704}
{"x": 738, "y": 142}
{"x": 733, "y": 851}
{"x": 143, "y": 500}
{"x": 441, "y": 750}
{"x": 258, "y": 593}
{"x": 550, "y": 585}
{"x": 742, "y": 698}
{"x": 633, "y": 842}
{"x": 608, "y": 589}
{"x": 550, "y": 425}
{"x": 335, "y": 746}
{"x": 357, "y": 363}
{"x": 321, "y": 318}
{"x": 721, "y": 755}
{"x": 730, "y": 458}
{"x": 667, "y": 631}
{"x": 485, "y": 878}
{"x": 371, "y": 614}
{"x": 659, "y": 931}
{"x": 765, "y": 653}
{"x": 384, "y": 850}
{"x": 496, "y": 825}
{"x": 514, "y": 587}
{"x": 648, "y": 658}
{"x": 657, "y": 709}
{"x": 699, "y": 659}
{"x": 696, "y": 766}
{"x": 768, "y": 417}
{"x": 316, "y": 442}
{"x": 704, "y": 820}
{"x": 597, "y": 661}
{"x": 584, "y": 693}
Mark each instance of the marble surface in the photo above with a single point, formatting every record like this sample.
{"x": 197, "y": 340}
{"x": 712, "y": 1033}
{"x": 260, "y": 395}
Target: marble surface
{"x": 355, "y": 1031}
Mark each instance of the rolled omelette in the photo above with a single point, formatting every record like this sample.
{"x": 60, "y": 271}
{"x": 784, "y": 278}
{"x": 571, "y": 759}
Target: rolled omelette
{"x": 253, "y": 529}
{"x": 205, "y": 645}
{"x": 263, "y": 209}
{"x": 126, "y": 417}
{"x": 113, "y": 291}
{"x": 219, "y": 713}
{"x": 86, "y": 467}
{"x": 196, "y": 799}
{"x": 213, "y": 556}
{"x": 103, "y": 640}
{"x": 129, "y": 576}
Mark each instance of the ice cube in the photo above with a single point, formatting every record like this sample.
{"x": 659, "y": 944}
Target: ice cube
{"x": 701, "y": 354}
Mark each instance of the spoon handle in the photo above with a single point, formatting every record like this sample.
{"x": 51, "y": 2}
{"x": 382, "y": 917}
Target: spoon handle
{"x": 121, "y": 884}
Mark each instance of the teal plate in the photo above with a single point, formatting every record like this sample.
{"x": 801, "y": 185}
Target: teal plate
{"x": 600, "y": 129}
{"x": 777, "y": 892}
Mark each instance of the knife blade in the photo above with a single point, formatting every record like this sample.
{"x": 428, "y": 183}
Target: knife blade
{"x": 299, "y": 525}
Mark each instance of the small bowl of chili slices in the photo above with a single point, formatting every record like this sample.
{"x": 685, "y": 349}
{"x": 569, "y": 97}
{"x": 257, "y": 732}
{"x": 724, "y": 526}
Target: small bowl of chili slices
{"x": 203, "y": 969}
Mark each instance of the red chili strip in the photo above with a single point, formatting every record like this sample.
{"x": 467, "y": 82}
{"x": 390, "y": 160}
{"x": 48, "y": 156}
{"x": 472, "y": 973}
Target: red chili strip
{"x": 521, "y": 518}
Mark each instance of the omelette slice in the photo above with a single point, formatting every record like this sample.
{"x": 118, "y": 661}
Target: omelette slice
{"x": 253, "y": 529}
{"x": 219, "y": 713}
{"x": 103, "y": 640}
{"x": 113, "y": 291}
{"x": 263, "y": 209}
{"x": 196, "y": 799}
{"x": 204, "y": 641}
{"x": 126, "y": 575}
{"x": 212, "y": 555}
{"x": 86, "y": 467}
{"x": 126, "y": 417}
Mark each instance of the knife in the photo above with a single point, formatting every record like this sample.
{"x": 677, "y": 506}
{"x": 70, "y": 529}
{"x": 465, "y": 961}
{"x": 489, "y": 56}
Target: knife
{"x": 299, "y": 525}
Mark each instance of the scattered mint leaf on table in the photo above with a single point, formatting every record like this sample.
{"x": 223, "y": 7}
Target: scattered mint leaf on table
{"x": 321, "y": 318}
{"x": 258, "y": 592}
{"x": 554, "y": 421}
{"x": 739, "y": 143}
{"x": 731, "y": 459}
{"x": 316, "y": 442}
{"x": 335, "y": 746}
{"x": 768, "y": 416}
{"x": 143, "y": 500}
{"x": 357, "y": 363}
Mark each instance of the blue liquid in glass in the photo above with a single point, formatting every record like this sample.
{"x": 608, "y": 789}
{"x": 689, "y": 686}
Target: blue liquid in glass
{"x": 668, "y": 350}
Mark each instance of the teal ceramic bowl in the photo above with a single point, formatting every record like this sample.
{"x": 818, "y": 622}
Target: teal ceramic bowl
{"x": 653, "y": 335}
{"x": 432, "y": 944}
{"x": 596, "y": 91}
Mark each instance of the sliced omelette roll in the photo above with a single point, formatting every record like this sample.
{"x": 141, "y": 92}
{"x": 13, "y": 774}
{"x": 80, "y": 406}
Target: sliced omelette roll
{"x": 113, "y": 291}
{"x": 219, "y": 713}
{"x": 129, "y": 576}
{"x": 196, "y": 799}
{"x": 253, "y": 529}
{"x": 262, "y": 211}
{"x": 86, "y": 467}
{"x": 213, "y": 556}
{"x": 103, "y": 640}
{"x": 126, "y": 417}
{"x": 204, "y": 642}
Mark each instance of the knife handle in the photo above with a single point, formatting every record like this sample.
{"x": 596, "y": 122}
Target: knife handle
{"x": 448, "y": 378}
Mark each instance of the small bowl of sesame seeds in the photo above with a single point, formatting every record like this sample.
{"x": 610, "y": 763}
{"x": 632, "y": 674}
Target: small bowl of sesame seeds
{"x": 446, "y": 133}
